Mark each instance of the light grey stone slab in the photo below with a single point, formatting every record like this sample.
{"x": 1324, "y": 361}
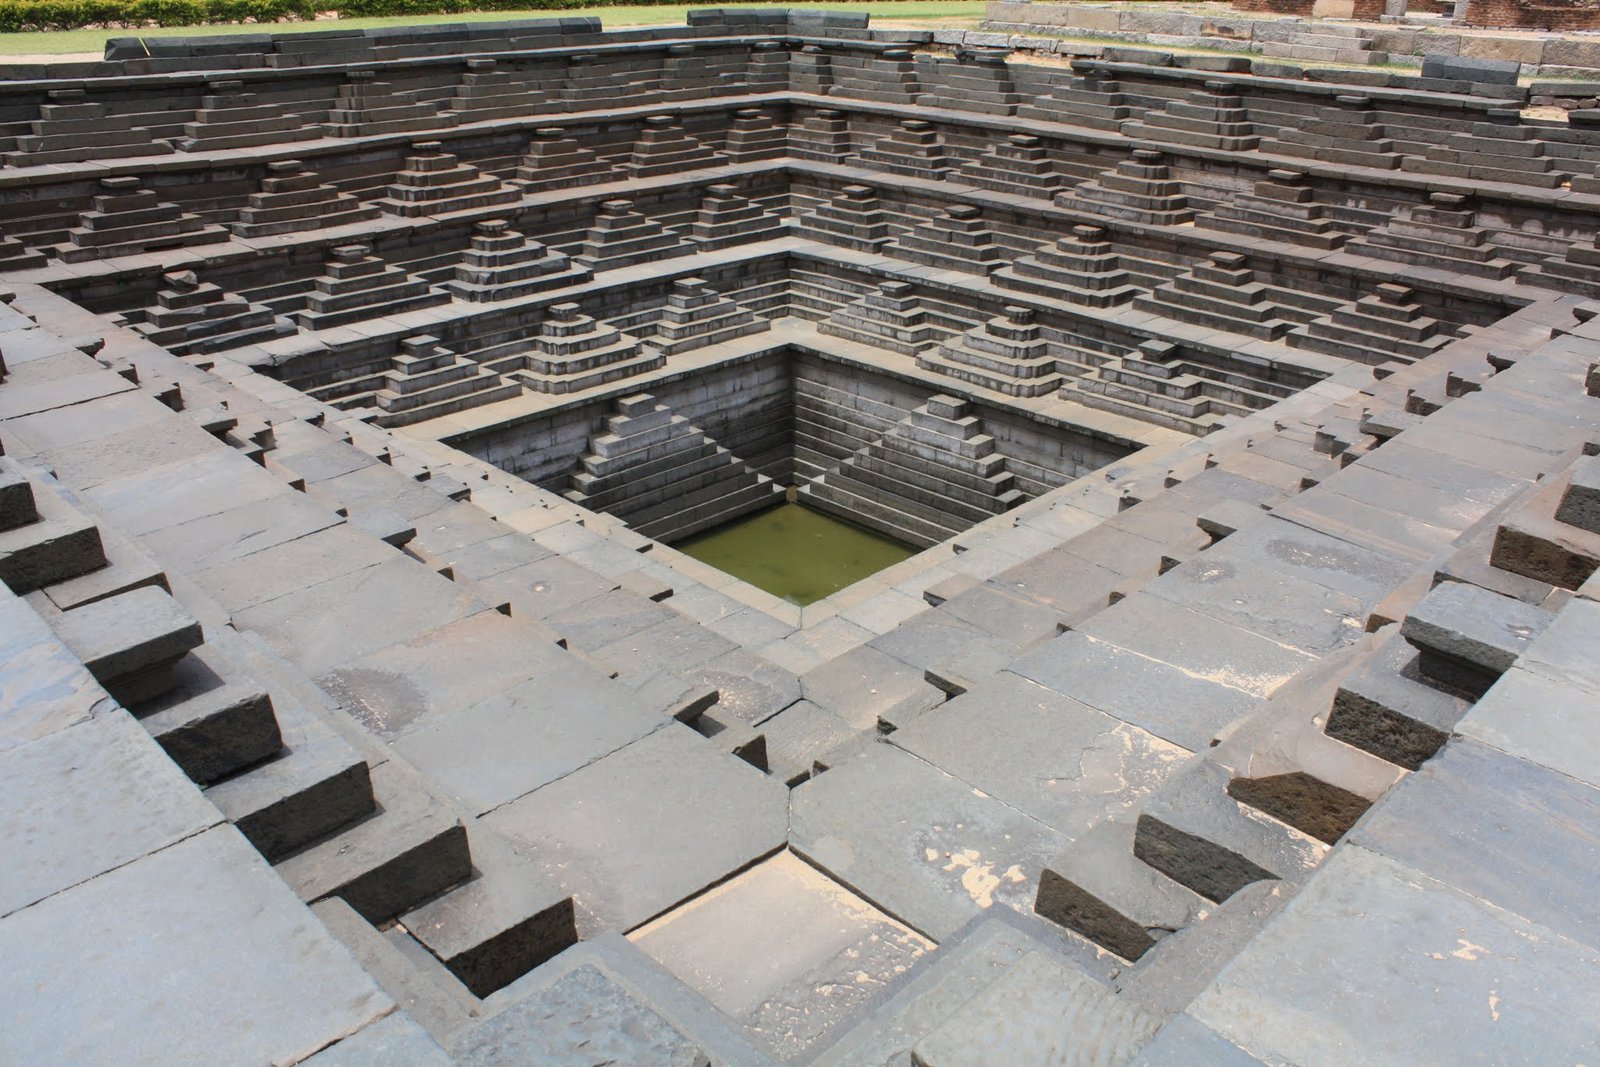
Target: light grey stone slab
{"x": 550, "y": 586}
{"x": 1370, "y": 947}
{"x": 925, "y": 847}
{"x": 791, "y": 980}
{"x": 1041, "y": 1011}
{"x": 748, "y": 687}
{"x": 85, "y": 800}
{"x": 1548, "y": 721}
{"x": 391, "y": 1041}
{"x": 238, "y": 532}
{"x": 449, "y": 668}
{"x": 582, "y": 1019}
{"x": 291, "y": 566}
{"x": 610, "y": 617}
{"x": 1197, "y": 644}
{"x": 633, "y": 833}
{"x": 1504, "y": 830}
{"x": 195, "y": 954}
{"x": 866, "y": 686}
{"x": 1064, "y": 763}
{"x": 1569, "y": 648}
{"x": 1183, "y": 1042}
{"x": 1312, "y": 556}
{"x": 344, "y": 618}
{"x": 511, "y": 743}
{"x": 43, "y": 686}
{"x": 1178, "y": 705}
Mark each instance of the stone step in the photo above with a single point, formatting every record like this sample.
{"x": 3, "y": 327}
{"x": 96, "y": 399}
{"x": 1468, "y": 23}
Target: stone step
{"x": 1469, "y": 636}
{"x": 61, "y": 543}
{"x": 1387, "y": 708}
{"x": 1192, "y": 831}
{"x": 1546, "y": 539}
{"x": 128, "y": 567}
{"x": 131, "y": 641}
{"x": 1101, "y": 891}
{"x": 17, "y": 507}
{"x": 409, "y": 849}
{"x": 216, "y": 721}
{"x": 501, "y": 924}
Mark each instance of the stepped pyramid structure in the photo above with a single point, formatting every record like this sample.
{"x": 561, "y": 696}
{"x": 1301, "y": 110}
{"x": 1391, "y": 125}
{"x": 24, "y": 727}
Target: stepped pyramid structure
{"x": 974, "y": 79}
{"x": 1008, "y": 354}
{"x": 490, "y": 91}
{"x": 1222, "y": 293}
{"x": 292, "y": 200}
{"x": 664, "y": 147}
{"x": 426, "y": 380}
{"x": 932, "y": 475}
{"x": 663, "y": 476}
{"x": 573, "y": 351}
{"x": 1140, "y": 189}
{"x": 956, "y": 239}
{"x": 1213, "y": 116}
{"x": 71, "y": 128}
{"x": 1158, "y": 383}
{"x": 890, "y": 77}
{"x": 752, "y": 135}
{"x": 851, "y": 219}
{"x": 822, "y": 136}
{"x": 127, "y": 219}
{"x": 1387, "y": 326}
{"x": 193, "y": 317}
{"x": 891, "y": 316}
{"x": 367, "y": 106}
{"x": 434, "y": 182}
{"x": 1282, "y": 208}
{"x": 914, "y": 150}
{"x": 358, "y": 285}
{"x": 697, "y": 315}
{"x": 1081, "y": 268}
{"x": 555, "y": 160}
{"x": 1094, "y": 99}
{"x": 1353, "y": 136}
{"x": 502, "y": 264}
{"x": 1019, "y": 164}
{"x": 1442, "y": 235}
{"x": 229, "y": 117}
{"x": 810, "y": 71}
{"x": 1495, "y": 152}
{"x": 621, "y": 237}
{"x": 727, "y": 217}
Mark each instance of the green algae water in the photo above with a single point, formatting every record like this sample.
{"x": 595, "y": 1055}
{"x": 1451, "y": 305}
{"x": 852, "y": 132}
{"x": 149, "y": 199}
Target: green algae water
{"x": 794, "y": 552}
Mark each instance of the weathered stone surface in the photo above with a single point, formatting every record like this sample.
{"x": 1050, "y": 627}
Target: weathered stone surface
{"x": 626, "y": 863}
{"x": 920, "y": 844}
{"x": 1380, "y": 932}
{"x": 85, "y": 800}
{"x": 582, "y": 1019}
{"x": 205, "y": 901}
{"x": 1060, "y": 761}
{"x": 1041, "y": 1011}
{"x": 792, "y": 983}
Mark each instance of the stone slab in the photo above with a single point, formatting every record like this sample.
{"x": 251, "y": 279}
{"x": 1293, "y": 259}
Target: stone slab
{"x": 709, "y": 814}
{"x": 85, "y": 800}
{"x": 87, "y": 986}
{"x": 512, "y": 743}
{"x": 1174, "y": 704}
{"x": 1508, "y": 832}
{"x": 924, "y": 847}
{"x": 793, "y": 980}
{"x": 339, "y": 620}
{"x": 1369, "y": 945}
{"x": 1060, "y": 761}
{"x": 394, "y": 1039}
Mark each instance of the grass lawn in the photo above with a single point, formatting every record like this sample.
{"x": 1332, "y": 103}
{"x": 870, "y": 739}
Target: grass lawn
{"x": 929, "y": 12}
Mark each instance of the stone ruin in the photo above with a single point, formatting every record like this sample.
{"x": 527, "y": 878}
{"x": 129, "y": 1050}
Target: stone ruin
{"x": 358, "y": 708}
